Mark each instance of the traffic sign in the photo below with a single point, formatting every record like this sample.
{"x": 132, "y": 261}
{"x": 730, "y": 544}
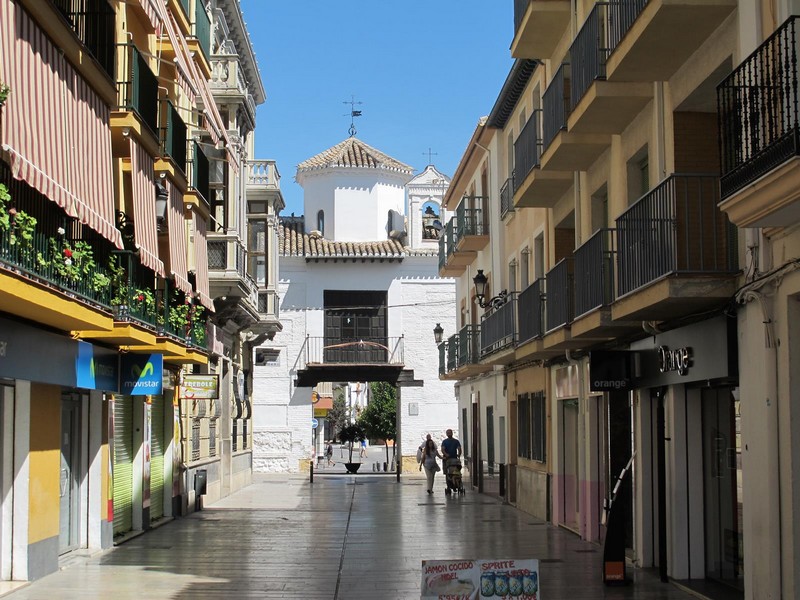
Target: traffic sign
{"x": 314, "y": 423}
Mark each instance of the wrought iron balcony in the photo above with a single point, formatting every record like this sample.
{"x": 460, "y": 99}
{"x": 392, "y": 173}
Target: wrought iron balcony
{"x": 589, "y": 52}
{"x": 93, "y": 21}
{"x": 442, "y": 359}
{"x": 527, "y": 148}
{"x": 530, "y": 311}
{"x": 507, "y": 197}
{"x": 556, "y": 105}
{"x": 538, "y": 27}
{"x": 560, "y": 294}
{"x": 174, "y": 136}
{"x": 200, "y": 178}
{"x": 468, "y": 345}
{"x": 363, "y": 359}
{"x": 137, "y": 86}
{"x": 758, "y": 111}
{"x": 675, "y": 229}
{"x": 499, "y": 327}
{"x": 471, "y": 221}
{"x": 594, "y": 272}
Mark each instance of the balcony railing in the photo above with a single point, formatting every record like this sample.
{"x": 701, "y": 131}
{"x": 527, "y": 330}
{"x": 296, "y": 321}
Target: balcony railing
{"x": 499, "y": 326}
{"x": 471, "y": 217}
{"x": 594, "y": 272}
{"x": 268, "y": 303}
{"x": 450, "y": 237}
{"x": 452, "y": 353}
{"x": 174, "y": 136}
{"x": 137, "y": 87}
{"x": 556, "y": 105}
{"x": 136, "y": 297}
{"x": 226, "y": 253}
{"x": 226, "y": 75}
{"x": 442, "y": 358}
{"x": 263, "y": 173}
{"x": 200, "y": 177}
{"x": 442, "y": 252}
{"x": 370, "y": 351}
{"x": 530, "y": 311}
{"x": 589, "y": 52}
{"x": 202, "y": 27}
{"x": 758, "y": 111}
{"x": 527, "y": 148}
{"x": 507, "y": 196}
{"x": 675, "y": 228}
{"x": 622, "y": 15}
{"x": 93, "y": 21}
{"x": 560, "y": 294}
{"x": 520, "y": 7}
{"x": 469, "y": 345}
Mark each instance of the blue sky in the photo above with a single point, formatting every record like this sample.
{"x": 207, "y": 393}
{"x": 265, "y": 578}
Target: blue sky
{"x": 425, "y": 70}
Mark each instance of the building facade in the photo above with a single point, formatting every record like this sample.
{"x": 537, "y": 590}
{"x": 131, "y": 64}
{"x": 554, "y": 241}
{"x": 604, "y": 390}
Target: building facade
{"x": 112, "y": 143}
{"x": 358, "y": 304}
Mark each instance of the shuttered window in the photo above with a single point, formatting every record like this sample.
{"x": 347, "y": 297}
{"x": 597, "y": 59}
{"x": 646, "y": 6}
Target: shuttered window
{"x": 123, "y": 464}
{"x": 157, "y": 444}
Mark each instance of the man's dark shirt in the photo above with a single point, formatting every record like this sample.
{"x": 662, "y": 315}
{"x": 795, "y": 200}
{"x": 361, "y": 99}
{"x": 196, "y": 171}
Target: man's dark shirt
{"x": 451, "y": 446}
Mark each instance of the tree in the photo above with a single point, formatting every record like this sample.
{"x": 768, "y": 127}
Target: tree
{"x": 337, "y": 416}
{"x": 350, "y": 434}
{"x": 379, "y": 418}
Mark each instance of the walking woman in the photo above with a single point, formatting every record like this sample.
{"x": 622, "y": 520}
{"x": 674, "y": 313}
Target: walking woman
{"x": 429, "y": 454}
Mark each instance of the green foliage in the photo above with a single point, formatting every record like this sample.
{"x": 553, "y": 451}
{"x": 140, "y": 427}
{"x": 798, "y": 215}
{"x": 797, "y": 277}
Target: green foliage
{"x": 178, "y": 316}
{"x": 72, "y": 260}
{"x": 5, "y": 218}
{"x": 198, "y": 327}
{"x": 337, "y": 416}
{"x": 19, "y": 225}
{"x": 379, "y": 418}
{"x": 143, "y": 302}
{"x": 119, "y": 282}
{"x": 350, "y": 434}
{"x": 4, "y": 92}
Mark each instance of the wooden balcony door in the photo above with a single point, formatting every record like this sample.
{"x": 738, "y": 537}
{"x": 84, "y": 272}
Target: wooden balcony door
{"x": 355, "y": 327}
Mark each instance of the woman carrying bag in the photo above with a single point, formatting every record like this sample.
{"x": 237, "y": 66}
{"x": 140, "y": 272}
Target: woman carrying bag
{"x": 429, "y": 454}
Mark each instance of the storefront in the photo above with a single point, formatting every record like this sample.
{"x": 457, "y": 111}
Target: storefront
{"x": 687, "y": 478}
{"x": 53, "y": 430}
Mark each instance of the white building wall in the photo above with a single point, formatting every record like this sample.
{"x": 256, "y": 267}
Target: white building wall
{"x": 417, "y": 299}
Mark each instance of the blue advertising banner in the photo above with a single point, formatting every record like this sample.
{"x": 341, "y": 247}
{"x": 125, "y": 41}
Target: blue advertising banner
{"x": 34, "y": 354}
{"x": 141, "y": 374}
{"x": 96, "y": 368}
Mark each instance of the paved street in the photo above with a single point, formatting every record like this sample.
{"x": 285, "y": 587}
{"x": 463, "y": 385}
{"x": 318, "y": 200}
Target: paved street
{"x": 342, "y": 537}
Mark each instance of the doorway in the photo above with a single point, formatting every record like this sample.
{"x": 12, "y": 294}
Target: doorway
{"x": 69, "y": 476}
{"x": 569, "y": 465}
{"x": 490, "y": 439}
{"x": 722, "y": 483}
{"x": 6, "y": 478}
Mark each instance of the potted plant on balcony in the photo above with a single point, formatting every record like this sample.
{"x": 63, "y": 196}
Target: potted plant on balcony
{"x": 350, "y": 434}
{"x": 178, "y": 317}
{"x": 4, "y": 92}
{"x": 119, "y": 287}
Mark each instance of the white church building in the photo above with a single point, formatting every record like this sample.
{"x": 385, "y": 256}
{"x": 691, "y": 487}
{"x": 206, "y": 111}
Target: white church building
{"x": 360, "y": 296}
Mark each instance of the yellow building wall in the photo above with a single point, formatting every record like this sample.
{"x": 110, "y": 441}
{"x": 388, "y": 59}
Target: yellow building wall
{"x": 45, "y": 462}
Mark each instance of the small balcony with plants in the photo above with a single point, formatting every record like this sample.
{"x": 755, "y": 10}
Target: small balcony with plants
{"x": 538, "y": 27}
{"x": 53, "y": 270}
{"x": 676, "y": 251}
{"x": 534, "y": 187}
{"x": 759, "y": 133}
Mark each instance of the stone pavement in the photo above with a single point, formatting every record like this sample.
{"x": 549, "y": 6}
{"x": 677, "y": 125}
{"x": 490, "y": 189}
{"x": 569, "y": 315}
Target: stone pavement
{"x": 342, "y": 537}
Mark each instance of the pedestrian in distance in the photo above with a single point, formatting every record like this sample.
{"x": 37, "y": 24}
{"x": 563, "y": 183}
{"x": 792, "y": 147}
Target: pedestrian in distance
{"x": 329, "y": 455}
{"x": 429, "y": 455}
{"x": 363, "y": 453}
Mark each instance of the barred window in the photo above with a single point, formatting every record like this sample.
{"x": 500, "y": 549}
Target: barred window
{"x": 531, "y": 426}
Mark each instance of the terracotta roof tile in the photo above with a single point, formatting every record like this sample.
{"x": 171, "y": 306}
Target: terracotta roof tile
{"x": 294, "y": 242}
{"x": 353, "y": 153}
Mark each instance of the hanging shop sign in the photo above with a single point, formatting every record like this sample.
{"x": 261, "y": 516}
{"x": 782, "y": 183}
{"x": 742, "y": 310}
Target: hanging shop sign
{"x": 25, "y": 349}
{"x": 204, "y": 387}
{"x": 702, "y": 351}
{"x": 142, "y": 374}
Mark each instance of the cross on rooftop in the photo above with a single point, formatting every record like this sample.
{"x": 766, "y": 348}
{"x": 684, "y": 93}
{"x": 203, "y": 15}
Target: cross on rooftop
{"x": 430, "y": 154}
{"x": 353, "y": 114}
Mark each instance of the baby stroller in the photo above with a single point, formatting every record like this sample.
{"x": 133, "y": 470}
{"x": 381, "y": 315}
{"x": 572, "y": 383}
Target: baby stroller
{"x": 452, "y": 476}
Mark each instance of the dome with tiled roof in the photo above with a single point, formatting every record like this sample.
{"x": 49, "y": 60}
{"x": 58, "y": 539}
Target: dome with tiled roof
{"x": 353, "y": 153}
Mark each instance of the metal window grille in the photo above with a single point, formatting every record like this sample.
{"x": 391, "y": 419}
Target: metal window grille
{"x": 217, "y": 254}
{"x": 195, "y": 439}
{"x": 212, "y": 437}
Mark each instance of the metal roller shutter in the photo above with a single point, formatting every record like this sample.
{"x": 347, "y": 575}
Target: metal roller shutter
{"x": 123, "y": 464}
{"x": 157, "y": 444}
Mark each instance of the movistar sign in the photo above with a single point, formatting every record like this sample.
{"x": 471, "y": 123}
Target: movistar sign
{"x": 141, "y": 374}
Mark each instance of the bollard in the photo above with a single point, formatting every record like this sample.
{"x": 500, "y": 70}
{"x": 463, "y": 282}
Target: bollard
{"x": 502, "y": 481}
{"x": 384, "y": 467}
{"x": 311, "y": 471}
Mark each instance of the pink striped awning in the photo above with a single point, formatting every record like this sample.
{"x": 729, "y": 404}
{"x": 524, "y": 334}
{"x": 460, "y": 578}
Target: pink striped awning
{"x": 186, "y": 77}
{"x": 151, "y": 9}
{"x": 55, "y": 127}
{"x": 201, "y": 262}
{"x": 144, "y": 207}
{"x": 177, "y": 239}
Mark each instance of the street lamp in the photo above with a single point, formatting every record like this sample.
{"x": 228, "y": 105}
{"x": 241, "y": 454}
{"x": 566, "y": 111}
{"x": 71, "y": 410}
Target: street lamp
{"x": 480, "y": 280}
{"x": 438, "y": 331}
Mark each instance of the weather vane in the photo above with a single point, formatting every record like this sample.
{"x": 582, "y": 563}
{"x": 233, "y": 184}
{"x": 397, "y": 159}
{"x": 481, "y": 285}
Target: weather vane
{"x": 353, "y": 114}
{"x": 430, "y": 154}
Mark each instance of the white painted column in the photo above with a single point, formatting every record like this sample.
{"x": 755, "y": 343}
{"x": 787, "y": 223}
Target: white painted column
{"x": 22, "y": 446}
{"x": 96, "y": 424}
{"x": 6, "y": 480}
{"x": 138, "y": 462}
